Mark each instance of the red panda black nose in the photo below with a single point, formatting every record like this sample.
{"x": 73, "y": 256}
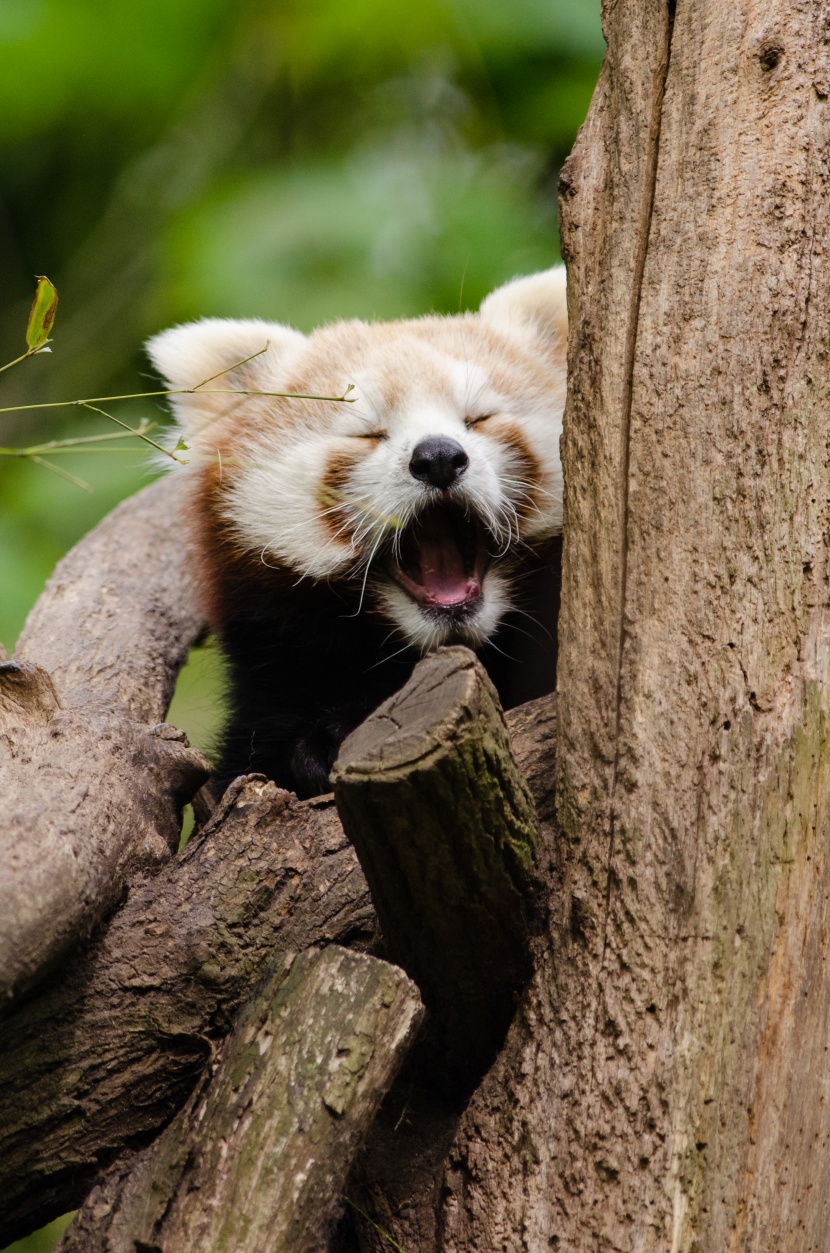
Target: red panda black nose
{"x": 438, "y": 461}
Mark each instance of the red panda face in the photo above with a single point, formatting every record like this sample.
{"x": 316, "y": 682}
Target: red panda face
{"x": 419, "y": 488}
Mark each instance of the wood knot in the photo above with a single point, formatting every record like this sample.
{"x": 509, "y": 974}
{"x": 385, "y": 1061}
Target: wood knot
{"x": 567, "y": 180}
{"x": 769, "y": 55}
{"x": 27, "y": 693}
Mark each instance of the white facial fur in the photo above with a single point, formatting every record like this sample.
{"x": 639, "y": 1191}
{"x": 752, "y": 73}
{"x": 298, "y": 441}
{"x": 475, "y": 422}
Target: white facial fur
{"x": 305, "y": 490}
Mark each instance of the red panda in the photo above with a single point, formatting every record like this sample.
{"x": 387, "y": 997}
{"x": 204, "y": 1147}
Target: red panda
{"x": 337, "y": 540}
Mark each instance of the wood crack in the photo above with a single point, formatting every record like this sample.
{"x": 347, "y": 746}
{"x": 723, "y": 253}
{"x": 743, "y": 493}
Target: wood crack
{"x": 644, "y": 235}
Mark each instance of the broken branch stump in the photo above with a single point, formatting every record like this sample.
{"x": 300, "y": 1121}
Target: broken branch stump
{"x": 259, "y": 1156}
{"x": 430, "y": 795}
{"x": 125, "y": 1029}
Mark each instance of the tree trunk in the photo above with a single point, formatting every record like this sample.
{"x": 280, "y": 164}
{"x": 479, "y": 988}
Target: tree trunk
{"x": 663, "y": 1083}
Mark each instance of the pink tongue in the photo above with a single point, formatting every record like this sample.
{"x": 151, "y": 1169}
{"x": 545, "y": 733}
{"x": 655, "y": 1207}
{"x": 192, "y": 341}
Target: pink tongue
{"x": 442, "y": 569}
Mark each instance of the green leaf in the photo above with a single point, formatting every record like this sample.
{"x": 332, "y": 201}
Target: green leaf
{"x": 42, "y": 314}
{"x": 181, "y": 446}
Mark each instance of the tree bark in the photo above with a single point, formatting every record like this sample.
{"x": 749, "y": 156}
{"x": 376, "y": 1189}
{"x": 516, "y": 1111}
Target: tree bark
{"x": 107, "y": 1051}
{"x": 89, "y": 800}
{"x": 119, "y": 616}
{"x": 431, "y": 797}
{"x": 662, "y": 1085}
{"x": 259, "y": 1156}
{"x": 92, "y": 794}
{"x": 110, "y": 1047}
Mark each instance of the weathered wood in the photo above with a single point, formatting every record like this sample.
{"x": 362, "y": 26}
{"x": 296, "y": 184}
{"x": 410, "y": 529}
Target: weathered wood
{"x": 259, "y": 1156}
{"x": 607, "y": 195}
{"x": 663, "y": 1085}
{"x": 431, "y": 797}
{"x": 415, "y": 1144}
{"x": 725, "y": 685}
{"x": 112, "y": 1046}
{"x": 532, "y": 730}
{"x": 90, "y": 794}
{"x": 119, "y": 615}
{"x": 88, "y": 800}
{"x": 123, "y": 1032}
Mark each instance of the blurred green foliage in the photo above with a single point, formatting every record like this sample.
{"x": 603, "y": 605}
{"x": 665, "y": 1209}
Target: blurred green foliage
{"x": 299, "y": 160}
{"x": 168, "y": 159}
{"x": 42, "y": 1241}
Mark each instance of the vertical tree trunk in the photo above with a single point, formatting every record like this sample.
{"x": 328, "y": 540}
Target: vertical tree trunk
{"x": 664, "y": 1084}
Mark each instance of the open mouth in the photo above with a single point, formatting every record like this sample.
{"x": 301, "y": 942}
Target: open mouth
{"x": 441, "y": 560}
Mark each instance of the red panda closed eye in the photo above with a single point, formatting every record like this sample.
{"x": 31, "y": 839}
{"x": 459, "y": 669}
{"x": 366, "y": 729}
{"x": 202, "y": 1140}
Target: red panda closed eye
{"x": 339, "y": 540}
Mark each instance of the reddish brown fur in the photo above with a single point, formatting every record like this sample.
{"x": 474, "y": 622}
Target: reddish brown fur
{"x": 525, "y": 465}
{"x": 333, "y": 489}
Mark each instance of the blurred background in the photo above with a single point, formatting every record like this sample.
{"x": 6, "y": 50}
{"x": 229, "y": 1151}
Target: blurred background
{"x": 297, "y": 160}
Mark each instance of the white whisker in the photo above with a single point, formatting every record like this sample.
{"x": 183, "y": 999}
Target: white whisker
{"x": 535, "y": 621}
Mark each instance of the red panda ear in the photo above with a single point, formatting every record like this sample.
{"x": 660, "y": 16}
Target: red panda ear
{"x": 536, "y": 303}
{"x": 217, "y": 354}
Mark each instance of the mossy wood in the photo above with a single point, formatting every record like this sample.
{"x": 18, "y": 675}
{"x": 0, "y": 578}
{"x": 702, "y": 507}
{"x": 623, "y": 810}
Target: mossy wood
{"x": 443, "y": 823}
{"x": 663, "y": 1086}
{"x": 258, "y": 1158}
{"x": 112, "y": 1045}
